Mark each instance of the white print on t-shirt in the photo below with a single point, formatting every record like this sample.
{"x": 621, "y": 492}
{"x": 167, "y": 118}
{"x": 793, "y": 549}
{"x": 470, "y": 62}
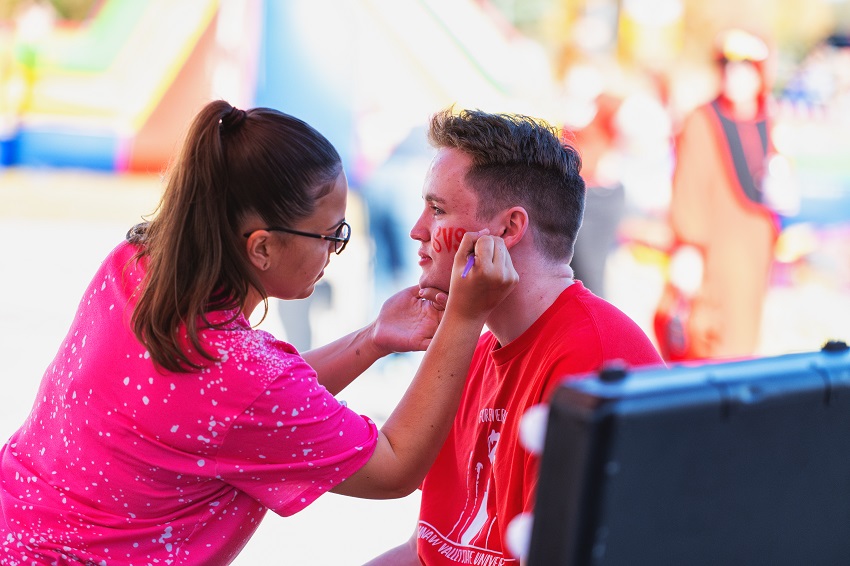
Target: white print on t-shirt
{"x": 492, "y": 415}
{"x": 470, "y": 540}
{"x": 480, "y": 518}
{"x": 474, "y": 524}
{"x": 457, "y": 555}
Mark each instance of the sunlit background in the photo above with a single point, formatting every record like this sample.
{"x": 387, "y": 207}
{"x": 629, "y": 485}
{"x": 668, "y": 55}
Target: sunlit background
{"x": 95, "y": 96}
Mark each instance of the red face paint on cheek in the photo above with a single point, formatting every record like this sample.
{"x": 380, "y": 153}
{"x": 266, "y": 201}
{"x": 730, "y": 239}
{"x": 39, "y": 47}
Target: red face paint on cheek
{"x": 459, "y": 232}
{"x": 447, "y": 239}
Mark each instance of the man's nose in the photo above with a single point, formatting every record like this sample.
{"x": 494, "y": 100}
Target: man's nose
{"x": 420, "y": 231}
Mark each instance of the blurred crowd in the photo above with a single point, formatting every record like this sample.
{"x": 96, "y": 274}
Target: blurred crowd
{"x": 775, "y": 149}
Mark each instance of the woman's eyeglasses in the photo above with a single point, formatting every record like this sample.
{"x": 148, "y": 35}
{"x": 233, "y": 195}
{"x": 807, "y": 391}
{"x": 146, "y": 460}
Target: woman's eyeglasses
{"x": 340, "y": 237}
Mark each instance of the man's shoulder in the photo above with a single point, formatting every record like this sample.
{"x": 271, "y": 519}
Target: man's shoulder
{"x": 614, "y": 332}
{"x": 597, "y": 307}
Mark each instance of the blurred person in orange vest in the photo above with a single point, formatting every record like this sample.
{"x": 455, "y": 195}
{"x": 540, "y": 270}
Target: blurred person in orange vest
{"x": 724, "y": 232}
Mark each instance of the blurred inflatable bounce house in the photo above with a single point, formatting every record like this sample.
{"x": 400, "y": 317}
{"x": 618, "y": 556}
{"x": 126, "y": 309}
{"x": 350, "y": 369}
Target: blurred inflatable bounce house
{"x": 115, "y": 91}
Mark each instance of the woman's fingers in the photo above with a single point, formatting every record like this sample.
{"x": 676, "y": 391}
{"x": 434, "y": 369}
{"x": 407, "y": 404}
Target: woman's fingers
{"x": 490, "y": 279}
{"x": 437, "y": 298}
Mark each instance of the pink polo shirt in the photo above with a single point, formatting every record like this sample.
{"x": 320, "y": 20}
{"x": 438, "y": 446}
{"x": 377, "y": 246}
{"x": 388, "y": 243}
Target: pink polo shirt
{"x": 120, "y": 463}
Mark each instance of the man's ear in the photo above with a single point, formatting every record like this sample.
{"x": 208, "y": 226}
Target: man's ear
{"x": 258, "y": 249}
{"x": 515, "y": 224}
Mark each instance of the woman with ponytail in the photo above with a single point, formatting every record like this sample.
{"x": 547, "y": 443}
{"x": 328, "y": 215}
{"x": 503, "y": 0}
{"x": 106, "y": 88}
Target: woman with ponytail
{"x": 167, "y": 426}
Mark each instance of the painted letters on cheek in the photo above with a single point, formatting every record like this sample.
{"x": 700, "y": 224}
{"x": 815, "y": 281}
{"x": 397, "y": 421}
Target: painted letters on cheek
{"x": 447, "y": 239}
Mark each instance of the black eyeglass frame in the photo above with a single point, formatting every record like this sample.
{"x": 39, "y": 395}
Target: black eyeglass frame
{"x": 335, "y": 238}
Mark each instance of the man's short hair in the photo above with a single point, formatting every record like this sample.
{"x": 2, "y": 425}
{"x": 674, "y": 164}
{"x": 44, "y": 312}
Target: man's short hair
{"x": 519, "y": 161}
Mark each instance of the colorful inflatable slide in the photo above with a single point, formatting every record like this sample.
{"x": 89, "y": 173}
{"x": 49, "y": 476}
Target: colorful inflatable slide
{"x": 112, "y": 93}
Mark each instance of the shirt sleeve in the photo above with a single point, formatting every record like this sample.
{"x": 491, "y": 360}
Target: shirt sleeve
{"x": 294, "y": 443}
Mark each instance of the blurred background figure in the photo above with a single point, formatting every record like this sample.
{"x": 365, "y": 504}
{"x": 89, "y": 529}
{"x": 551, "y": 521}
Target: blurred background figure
{"x": 390, "y": 192}
{"x": 296, "y": 319}
{"x": 591, "y": 113}
{"x": 724, "y": 234}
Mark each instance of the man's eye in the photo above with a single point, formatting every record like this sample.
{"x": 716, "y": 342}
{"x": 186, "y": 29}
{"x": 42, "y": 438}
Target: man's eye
{"x": 436, "y": 210}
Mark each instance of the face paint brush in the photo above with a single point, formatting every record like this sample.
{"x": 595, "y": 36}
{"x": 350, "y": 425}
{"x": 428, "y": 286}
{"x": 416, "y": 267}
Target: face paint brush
{"x": 469, "y": 263}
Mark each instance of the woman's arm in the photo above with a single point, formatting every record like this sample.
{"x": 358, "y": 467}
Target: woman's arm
{"x": 411, "y": 438}
{"x": 406, "y": 323}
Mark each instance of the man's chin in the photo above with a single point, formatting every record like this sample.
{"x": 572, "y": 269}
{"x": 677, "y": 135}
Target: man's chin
{"x": 426, "y": 282}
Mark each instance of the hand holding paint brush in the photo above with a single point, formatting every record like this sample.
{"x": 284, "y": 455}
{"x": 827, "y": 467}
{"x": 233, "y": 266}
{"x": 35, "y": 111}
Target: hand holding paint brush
{"x": 469, "y": 263}
{"x": 482, "y": 272}
{"x": 470, "y": 260}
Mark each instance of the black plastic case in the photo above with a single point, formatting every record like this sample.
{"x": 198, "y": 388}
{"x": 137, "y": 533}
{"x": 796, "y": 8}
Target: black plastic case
{"x": 744, "y": 462}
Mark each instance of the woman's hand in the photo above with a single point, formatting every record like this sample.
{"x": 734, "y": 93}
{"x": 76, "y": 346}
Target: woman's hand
{"x": 406, "y": 322}
{"x": 437, "y": 298}
{"x": 477, "y": 291}
{"x": 409, "y": 319}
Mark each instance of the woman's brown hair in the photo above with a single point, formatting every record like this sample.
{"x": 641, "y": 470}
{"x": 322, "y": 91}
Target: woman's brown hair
{"x": 233, "y": 164}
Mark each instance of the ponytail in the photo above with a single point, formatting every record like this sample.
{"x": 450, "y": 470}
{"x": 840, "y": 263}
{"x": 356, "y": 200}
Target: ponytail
{"x": 233, "y": 163}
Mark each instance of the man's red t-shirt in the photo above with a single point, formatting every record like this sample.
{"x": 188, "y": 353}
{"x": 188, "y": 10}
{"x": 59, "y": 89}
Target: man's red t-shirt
{"x": 483, "y": 477}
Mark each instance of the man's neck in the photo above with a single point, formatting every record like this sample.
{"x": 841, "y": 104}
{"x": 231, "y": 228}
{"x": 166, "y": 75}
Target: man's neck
{"x": 533, "y": 295}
